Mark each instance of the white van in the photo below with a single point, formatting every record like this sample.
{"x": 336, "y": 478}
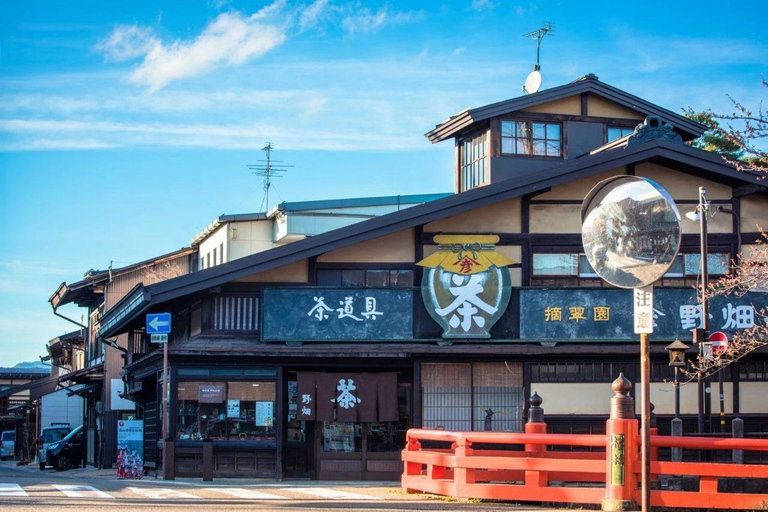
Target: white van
{"x": 7, "y": 444}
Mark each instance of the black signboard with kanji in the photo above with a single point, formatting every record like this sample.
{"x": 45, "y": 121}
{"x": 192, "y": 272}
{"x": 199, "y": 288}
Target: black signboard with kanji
{"x": 337, "y": 314}
{"x": 605, "y": 314}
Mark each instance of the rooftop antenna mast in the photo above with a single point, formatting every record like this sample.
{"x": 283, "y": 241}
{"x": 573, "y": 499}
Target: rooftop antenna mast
{"x": 269, "y": 169}
{"x": 533, "y": 82}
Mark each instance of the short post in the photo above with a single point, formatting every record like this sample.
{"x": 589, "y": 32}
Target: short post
{"x": 621, "y": 450}
{"x": 655, "y": 482}
{"x": 738, "y": 432}
{"x": 535, "y": 425}
{"x": 169, "y": 460}
{"x": 207, "y": 460}
{"x": 677, "y": 431}
{"x": 462, "y": 475}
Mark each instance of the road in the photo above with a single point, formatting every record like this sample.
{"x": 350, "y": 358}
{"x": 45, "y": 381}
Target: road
{"x": 29, "y": 489}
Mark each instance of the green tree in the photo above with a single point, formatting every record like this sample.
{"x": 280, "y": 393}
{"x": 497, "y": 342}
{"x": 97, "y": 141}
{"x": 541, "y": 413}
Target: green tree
{"x": 713, "y": 140}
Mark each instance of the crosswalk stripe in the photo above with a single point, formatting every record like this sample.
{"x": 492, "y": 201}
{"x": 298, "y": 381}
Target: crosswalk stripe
{"x": 163, "y": 494}
{"x": 82, "y": 491}
{"x": 333, "y": 494}
{"x": 247, "y": 494}
{"x": 12, "y": 490}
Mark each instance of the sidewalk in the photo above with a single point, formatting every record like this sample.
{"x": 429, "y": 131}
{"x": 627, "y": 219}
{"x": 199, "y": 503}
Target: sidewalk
{"x": 92, "y": 472}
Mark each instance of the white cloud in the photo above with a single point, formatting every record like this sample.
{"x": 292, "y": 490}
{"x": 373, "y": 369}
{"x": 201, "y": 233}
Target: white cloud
{"x": 365, "y": 20}
{"x": 127, "y": 42}
{"x": 231, "y": 39}
{"x": 526, "y": 11}
{"x": 310, "y": 16}
{"x": 483, "y": 5}
{"x": 48, "y": 144}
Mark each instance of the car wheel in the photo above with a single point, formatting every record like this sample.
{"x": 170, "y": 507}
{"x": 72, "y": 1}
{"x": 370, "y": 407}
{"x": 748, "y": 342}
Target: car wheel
{"x": 61, "y": 463}
{"x": 42, "y": 466}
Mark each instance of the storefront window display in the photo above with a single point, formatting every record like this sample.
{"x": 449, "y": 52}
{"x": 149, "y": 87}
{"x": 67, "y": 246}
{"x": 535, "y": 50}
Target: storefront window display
{"x": 221, "y": 410}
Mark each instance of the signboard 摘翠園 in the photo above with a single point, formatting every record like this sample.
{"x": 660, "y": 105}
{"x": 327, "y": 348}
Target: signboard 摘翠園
{"x": 321, "y": 314}
{"x": 581, "y": 314}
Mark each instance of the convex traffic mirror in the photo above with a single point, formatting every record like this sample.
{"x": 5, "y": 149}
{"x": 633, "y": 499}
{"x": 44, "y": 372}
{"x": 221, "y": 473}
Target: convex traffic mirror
{"x": 630, "y": 231}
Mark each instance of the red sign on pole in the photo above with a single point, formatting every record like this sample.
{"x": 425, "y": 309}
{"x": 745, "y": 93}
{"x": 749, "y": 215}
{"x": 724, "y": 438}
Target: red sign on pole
{"x": 719, "y": 342}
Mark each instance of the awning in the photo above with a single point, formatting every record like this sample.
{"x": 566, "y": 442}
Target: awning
{"x": 85, "y": 391}
{"x": 366, "y": 397}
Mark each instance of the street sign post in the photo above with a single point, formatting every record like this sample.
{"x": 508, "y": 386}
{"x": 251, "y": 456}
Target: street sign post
{"x": 159, "y": 327}
{"x": 159, "y": 323}
{"x": 158, "y": 338}
{"x": 719, "y": 342}
{"x": 630, "y": 229}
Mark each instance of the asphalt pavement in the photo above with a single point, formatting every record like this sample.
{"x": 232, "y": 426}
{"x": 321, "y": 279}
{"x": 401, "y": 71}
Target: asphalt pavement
{"x": 26, "y": 488}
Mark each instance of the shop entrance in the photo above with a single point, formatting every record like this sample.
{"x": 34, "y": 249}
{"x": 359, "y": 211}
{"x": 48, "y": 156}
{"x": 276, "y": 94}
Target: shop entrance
{"x": 359, "y": 451}
{"x": 329, "y": 446}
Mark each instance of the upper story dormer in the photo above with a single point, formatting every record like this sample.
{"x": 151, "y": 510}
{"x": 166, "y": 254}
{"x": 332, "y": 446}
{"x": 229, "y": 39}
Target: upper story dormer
{"x": 522, "y": 135}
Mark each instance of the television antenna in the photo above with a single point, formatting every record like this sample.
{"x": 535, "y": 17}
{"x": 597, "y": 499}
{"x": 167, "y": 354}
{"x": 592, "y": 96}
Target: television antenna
{"x": 269, "y": 169}
{"x": 533, "y": 81}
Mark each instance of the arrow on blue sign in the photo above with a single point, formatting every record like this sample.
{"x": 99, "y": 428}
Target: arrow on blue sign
{"x": 159, "y": 323}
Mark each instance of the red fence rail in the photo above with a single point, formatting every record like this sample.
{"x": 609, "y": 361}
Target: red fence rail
{"x": 521, "y": 467}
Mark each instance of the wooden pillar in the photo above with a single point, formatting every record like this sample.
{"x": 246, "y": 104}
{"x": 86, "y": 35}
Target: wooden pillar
{"x": 207, "y": 460}
{"x": 621, "y": 450}
{"x": 169, "y": 460}
{"x": 536, "y": 425}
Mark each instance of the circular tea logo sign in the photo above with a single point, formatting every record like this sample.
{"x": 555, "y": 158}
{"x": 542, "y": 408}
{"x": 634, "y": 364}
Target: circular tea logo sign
{"x": 466, "y": 287}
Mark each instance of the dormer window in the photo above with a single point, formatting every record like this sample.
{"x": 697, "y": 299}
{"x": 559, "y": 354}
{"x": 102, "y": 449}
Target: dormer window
{"x": 531, "y": 138}
{"x": 474, "y": 151}
{"x": 616, "y": 132}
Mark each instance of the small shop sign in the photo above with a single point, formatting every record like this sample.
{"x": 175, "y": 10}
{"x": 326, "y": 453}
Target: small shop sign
{"x": 208, "y": 394}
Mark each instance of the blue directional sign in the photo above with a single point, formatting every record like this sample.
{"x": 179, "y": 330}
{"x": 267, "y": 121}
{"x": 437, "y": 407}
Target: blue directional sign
{"x": 158, "y": 323}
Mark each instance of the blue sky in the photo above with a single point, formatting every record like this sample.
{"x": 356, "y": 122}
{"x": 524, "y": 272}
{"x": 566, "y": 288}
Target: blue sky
{"x": 126, "y": 127}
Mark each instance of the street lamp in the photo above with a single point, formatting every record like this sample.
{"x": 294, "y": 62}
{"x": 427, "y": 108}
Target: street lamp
{"x": 676, "y": 352}
{"x": 700, "y": 335}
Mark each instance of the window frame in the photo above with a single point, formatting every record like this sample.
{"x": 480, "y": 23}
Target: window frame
{"x": 475, "y": 172}
{"x": 609, "y": 127}
{"x": 530, "y": 139}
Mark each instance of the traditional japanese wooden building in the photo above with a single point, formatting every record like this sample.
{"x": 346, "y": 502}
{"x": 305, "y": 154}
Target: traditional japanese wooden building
{"x": 313, "y": 358}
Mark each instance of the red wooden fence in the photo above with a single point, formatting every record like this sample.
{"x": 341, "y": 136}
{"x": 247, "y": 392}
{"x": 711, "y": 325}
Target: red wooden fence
{"x": 483, "y": 465}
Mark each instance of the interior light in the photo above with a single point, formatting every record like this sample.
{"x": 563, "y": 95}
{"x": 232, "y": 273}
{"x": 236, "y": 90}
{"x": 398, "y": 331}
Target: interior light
{"x": 693, "y": 216}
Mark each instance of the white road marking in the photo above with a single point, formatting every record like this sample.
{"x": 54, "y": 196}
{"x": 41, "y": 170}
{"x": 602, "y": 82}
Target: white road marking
{"x": 82, "y": 491}
{"x": 247, "y": 494}
{"x": 322, "y": 492}
{"x": 163, "y": 494}
{"x": 12, "y": 490}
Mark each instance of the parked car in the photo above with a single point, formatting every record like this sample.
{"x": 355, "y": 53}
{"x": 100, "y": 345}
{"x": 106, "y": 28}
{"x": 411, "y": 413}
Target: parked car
{"x": 68, "y": 452}
{"x": 48, "y": 436}
{"x": 7, "y": 444}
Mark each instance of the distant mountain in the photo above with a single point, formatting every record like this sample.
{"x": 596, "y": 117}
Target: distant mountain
{"x": 33, "y": 364}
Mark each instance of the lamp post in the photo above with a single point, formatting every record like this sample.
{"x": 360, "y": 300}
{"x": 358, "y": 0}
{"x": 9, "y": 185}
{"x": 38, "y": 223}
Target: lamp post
{"x": 700, "y": 335}
{"x": 676, "y": 352}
